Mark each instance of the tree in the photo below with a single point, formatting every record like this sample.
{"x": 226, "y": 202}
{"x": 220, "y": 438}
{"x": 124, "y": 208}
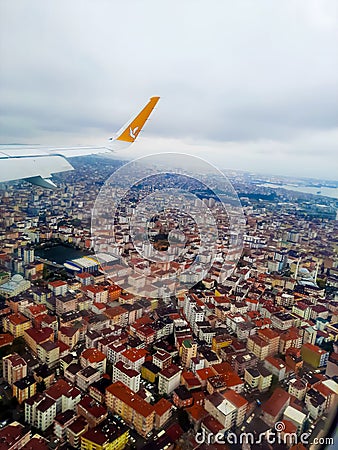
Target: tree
{"x": 321, "y": 283}
{"x": 46, "y": 273}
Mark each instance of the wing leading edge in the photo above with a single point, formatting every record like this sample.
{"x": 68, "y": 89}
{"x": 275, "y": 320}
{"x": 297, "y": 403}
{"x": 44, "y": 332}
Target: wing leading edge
{"x": 36, "y": 165}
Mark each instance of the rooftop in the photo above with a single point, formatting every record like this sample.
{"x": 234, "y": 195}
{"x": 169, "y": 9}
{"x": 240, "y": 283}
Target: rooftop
{"x": 127, "y": 396}
{"x": 93, "y": 355}
{"x": 276, "y": 402}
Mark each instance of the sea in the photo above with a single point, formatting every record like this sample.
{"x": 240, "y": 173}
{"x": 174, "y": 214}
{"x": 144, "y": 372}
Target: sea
{"x": 322, "y": 191}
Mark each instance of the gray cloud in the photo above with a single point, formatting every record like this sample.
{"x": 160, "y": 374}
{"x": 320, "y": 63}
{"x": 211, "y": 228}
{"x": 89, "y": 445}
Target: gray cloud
{"x": 250, "y": 82}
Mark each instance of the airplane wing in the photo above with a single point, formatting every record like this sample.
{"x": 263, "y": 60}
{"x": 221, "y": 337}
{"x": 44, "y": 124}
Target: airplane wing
{"x": 37, "y": 165}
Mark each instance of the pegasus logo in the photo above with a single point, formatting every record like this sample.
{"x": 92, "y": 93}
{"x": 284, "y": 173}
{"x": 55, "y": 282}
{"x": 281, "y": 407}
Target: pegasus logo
{"x": 133, "y": 132}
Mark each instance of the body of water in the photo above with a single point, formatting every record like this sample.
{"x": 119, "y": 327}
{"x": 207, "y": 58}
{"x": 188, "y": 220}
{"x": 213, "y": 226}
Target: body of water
{"x": 323, "y": 191}
{"x": 60, "y": 253}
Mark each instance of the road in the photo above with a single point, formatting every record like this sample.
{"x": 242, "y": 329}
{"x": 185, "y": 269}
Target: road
{"x": 50, "y": 263}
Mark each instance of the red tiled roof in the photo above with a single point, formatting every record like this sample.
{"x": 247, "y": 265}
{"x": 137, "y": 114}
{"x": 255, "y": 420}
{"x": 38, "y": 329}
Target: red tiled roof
{"x": 276, "y": 362}
{"x": 68, "y": 331}
{"x": 115, "y": 311}
{"x": 289, "y": 427}
{"x": 313, "y": 348}
{"x": 191, "y": 380}
{"x": 83, "y": 275}
{"x": 276, "y": 402}
{"x": 134, "y": 354}
{"x": 162, "y": 355}
{"x": 268, "y": 333}
{"x": 93, "y": 355}
{"x": 131, "y": 399}
{"x": 57, "y": 283}
{"x": 36, "y": 443}
{"x": 122, "y": 367}
{"x": 6, "y": 339}
{"x": 204, "y": 374}
{"x": 59, "y": 388}
{"x": 78, "y": 425}
{"x": 17, "y": 319}
{"x": 62, "y": 346}
{"x": 212, "y": 424}
{"x": 236, "y": 399}
{"x": 174, "y": 432}
{"x": 162, "y": 406}
{"x": 197, "y": 412}
{"x": 223, "y": 367}
{"x": 92, "y": 407}
{"x": 40, "y": 334}
{"x": 99, "y": 305}
{"x": 10, "y": 435}
{"x": 37, "y": 309}
{"x": 170, "y": 371}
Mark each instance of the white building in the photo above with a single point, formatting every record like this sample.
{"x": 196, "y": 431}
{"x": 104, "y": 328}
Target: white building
{"x": 221, "y": 409}
{"x": 14, "y": 286}
{"x": 169, "y": 379}
{"x": 40, "y": 411}
{"x": 128, "y": 376}
{"x": 296, "y": 417}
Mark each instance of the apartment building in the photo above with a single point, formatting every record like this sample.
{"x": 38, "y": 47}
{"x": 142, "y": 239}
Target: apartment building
{"x": 128, "y": 376}
{"x": 271, "y": 337}
{"x": 110, "y": 435}
{"x": 276, "y": 366}
{"x": 75, "y": 430}
{"x": 16, "y": 324}
{"x": 131, "y": 407}
{"x": 163, "y": 410}
{"x": 94, "y": 358}
{"x": 274, "y": 407}
{"x": 221, "y": 409}
{"x": 314, "y": 355}
{"x": 93, "y": 412}
{"x": 86, "y": 377}
{"x": 188, "y": 350}
{"x": 297, "y": 388}
{"x": 162, "y": 359}
{"x": 58, "y": 287}
{"x": 14, "y": 436}
{"x": 14, "y": 368}
{"x": 40, "y": 411}
{"x": 169, "y": 379}
{"x": 134, "y": 357}
{"x": 258, "y": 347}
{"x": 69, "y": 335}
{"x": 49, "y": 353}
{"x": 239, "y": 402}
{"x": 245, "y": 360}
{"x": 24, "y": 388}
{"x": 258, "y": 378}
{"x": 37, "y": 336}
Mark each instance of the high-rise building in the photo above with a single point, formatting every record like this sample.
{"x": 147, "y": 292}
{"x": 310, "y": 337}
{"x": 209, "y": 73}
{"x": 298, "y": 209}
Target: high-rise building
{"x": 14, "y": 368}
{"x": 314, "y": 355}
{"x": 188, "y": 351}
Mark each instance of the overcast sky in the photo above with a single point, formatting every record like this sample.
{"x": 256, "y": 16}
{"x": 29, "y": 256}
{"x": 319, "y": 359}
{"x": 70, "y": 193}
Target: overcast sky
{"x": 249, "y": 85}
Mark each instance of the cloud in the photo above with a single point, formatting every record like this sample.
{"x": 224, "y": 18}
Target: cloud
{"x": 255, "y": 79}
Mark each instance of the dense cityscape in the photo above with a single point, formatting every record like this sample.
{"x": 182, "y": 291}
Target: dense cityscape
{"x": 91, "y": 362}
